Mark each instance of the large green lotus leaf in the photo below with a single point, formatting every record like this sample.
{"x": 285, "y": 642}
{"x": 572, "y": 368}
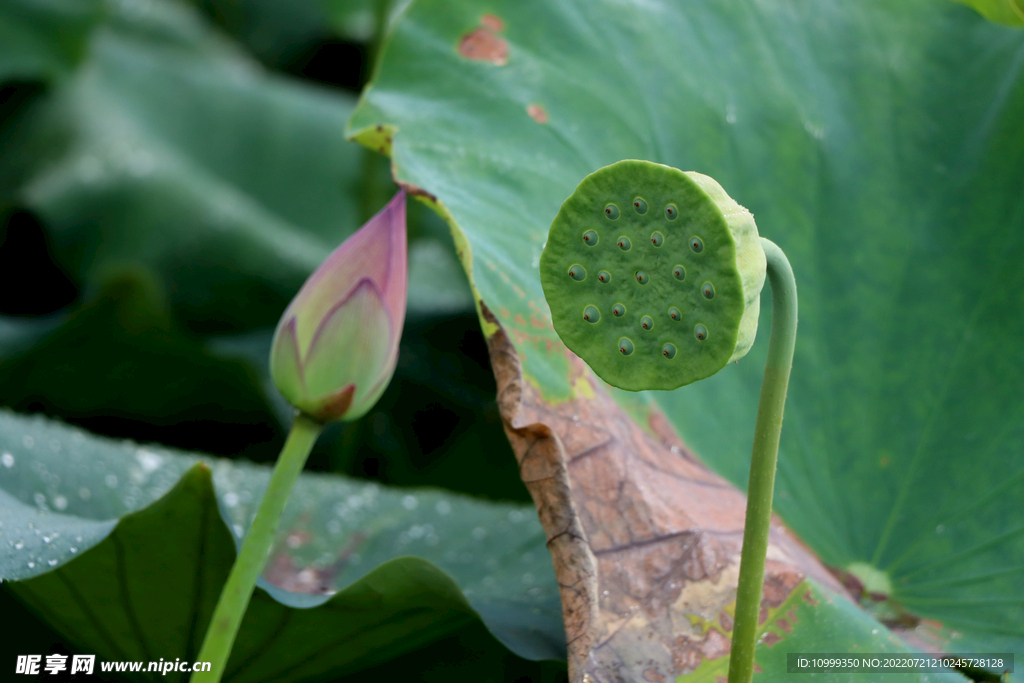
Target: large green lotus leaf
{"x": 879, "y": 145}
{"x": 359, "y": 573}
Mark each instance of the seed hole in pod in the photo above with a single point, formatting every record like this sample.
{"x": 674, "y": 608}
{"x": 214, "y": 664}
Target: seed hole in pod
{"x": 675, "y": 314}
{"x": 657, "y": 239}
{"x": 696, "y": 244}
{"x": 591, "y": 314}
{"x": 679, "y": 273}
{"x": 646, "y": 322}
{"x": 590, "y": 238}
{"x": 624, "y": 244}
{"x": 708, "y": 290}
{"x": 700, "y": 332}
{"x": 640, "y": 206}
{"x": 669, "y": 351}
{"x": 577, "y": 272}
{"x": 671, "y": 212}
{"x": 604, "y": 276}
{"x": 641, "y": 277}
{"x": 625, "y": 346}
{"x": 611, "y": 212}
{"x": 618, "y": 310}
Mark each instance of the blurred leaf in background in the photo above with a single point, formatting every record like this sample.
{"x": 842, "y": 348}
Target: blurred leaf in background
{"x": 165, "y": 197}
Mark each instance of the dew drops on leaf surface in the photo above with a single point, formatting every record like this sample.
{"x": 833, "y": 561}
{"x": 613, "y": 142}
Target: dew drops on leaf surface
{"x": 624, "y": 243}
{"x": 640, "y": 206}
{"x": 611, "y": 211}
{"x": 696, "y": 244}
{"x": 708, "y": 290}
{"x": 590, "y": 238}
{"x": 625, "y": 346}
{"x": 591, "y": 314}
{"x": 577, "y": 272}
{"x": 657, "y": 239}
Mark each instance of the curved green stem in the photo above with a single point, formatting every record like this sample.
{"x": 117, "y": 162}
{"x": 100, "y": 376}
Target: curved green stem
{"x": 762, "y": 464}
{"x": 234, "y": 599}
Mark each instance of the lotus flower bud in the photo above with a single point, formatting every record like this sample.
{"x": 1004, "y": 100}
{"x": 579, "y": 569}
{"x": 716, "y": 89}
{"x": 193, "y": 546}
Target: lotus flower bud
{"x": 336, "y": 346}
{"x": 653, "y": 276}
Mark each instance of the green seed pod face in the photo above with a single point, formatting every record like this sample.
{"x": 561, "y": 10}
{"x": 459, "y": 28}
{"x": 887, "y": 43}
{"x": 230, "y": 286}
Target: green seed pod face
{"x": 684, "y": 270}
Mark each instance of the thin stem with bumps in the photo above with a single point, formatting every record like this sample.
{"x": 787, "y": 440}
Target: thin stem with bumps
{"x": 234, "y": 599}
{"x": 762, "y": 465}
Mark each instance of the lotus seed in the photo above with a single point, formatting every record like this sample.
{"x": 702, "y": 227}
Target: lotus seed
{"x": 700, "y": 332}
{"x": 577, "y": 272}
{"x": 604, "y": 276}
{"x": 611, "y": 211}
{"x": 590, "y": 237}
{"x": 618, "y": 310}
{"x": 640, "y": 205}
{"x": 641, "y": 277}
{"x": 624, "y": 244}
{"x": 671, "y": 212}
{"x": 625, "y": 346}
{"x": 696, "y": 244}
{"x": 674, "y": 313}
{"x": 646, "y": 322}
{"x": 591, "y": 314}
{"x": 708, "y": 290}
{"x": 657, "y": 239}
{"x": 679, "y": 273}
{"x": 669, "y": 351}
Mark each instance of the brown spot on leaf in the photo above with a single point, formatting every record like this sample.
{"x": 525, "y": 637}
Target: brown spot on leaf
{"x": 653, "y": 676}
{"x": 483, "y": 45}
{"x": 537, "y": 113}
{"x": 716, "y": 645}
{"x": 489, "y": 21}
{"x": 809, "y": 597}
{"x": 770, "y": 638}
{"x": 725, "y": 620}
{"x": 784, "y": 625}
{"x": 520, "y": 320}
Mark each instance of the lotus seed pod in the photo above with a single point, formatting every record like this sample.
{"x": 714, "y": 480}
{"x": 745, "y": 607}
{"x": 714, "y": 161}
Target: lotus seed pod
{"x": 684, "y": 268}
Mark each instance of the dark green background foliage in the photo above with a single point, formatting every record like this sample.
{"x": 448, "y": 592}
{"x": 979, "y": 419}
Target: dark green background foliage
{"x": 170, "y": 173}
